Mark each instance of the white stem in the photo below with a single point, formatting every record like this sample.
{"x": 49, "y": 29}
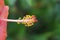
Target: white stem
{"x": 12, "y": 20}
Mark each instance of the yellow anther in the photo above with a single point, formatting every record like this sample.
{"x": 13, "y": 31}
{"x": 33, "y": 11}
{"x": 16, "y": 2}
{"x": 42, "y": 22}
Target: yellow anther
{"x": 28, "y": 23}
{"x": 28, "y": 16}
{"x": 19, "y": 19}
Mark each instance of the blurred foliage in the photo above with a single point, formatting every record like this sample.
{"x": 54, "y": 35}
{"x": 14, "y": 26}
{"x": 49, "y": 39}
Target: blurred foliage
{"x": 47, "y": 13}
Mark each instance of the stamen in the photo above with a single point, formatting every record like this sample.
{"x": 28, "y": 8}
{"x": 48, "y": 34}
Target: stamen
{"x": 27, "y": 20}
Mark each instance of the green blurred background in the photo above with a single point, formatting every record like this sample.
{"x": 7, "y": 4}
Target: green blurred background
{"x": 47, "y": 13}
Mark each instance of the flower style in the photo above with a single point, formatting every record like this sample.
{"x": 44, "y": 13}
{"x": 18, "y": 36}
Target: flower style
{"x": 27, "y": 20}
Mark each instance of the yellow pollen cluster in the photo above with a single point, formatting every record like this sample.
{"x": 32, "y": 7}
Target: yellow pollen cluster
{"x": 27, "y": 20}
{"x": 19, "y": 19}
